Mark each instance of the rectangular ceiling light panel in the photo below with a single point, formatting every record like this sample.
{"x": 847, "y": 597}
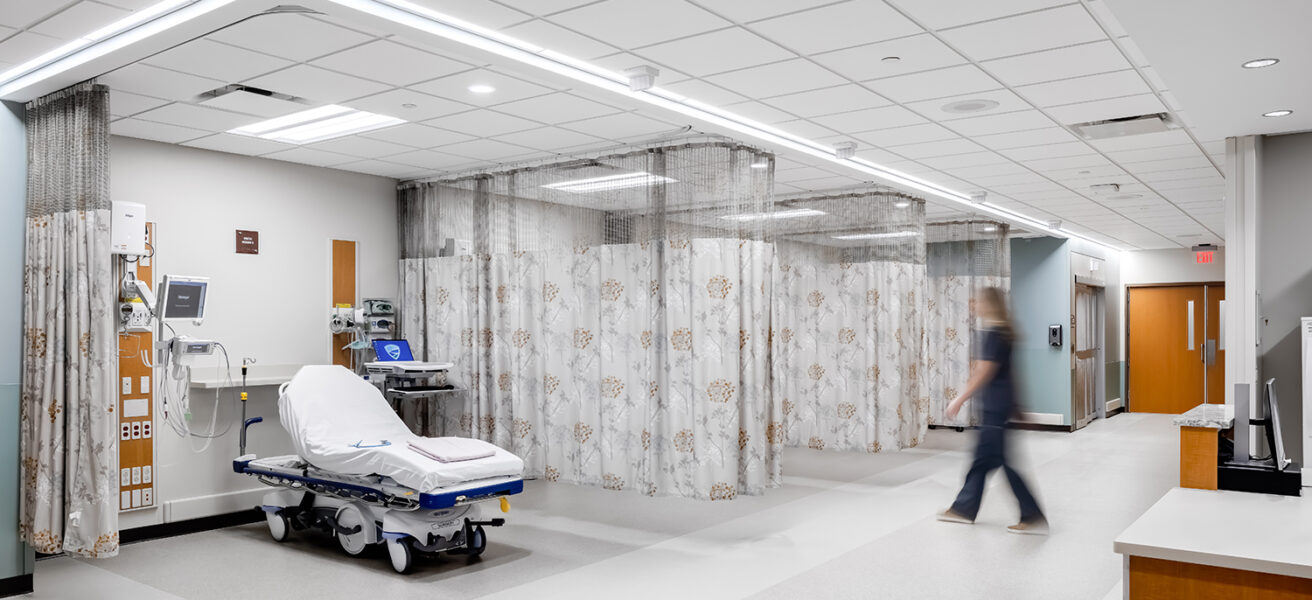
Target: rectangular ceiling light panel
{"x": 609, "y": 182}
{"x": 317, "y": 124}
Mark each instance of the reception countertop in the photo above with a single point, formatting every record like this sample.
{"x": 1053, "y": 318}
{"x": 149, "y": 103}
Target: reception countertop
{"x": 1235, "y": 530}
{"x": 1213, "y": 416}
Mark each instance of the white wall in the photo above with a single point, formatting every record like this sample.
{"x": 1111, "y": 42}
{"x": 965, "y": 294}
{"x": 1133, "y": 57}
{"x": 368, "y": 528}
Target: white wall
{"x": 1177, "y": 265}
{"x": 272, "y": 306}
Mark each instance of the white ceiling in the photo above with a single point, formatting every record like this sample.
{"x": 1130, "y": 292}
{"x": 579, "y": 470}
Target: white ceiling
{"x": 810, "y": 67}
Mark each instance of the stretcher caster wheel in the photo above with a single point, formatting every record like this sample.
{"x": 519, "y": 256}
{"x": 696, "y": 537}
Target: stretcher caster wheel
{"x": 279, "y": 527}
{"x": 349, "y": 517}
{"x": 477, "y": 542}
{"x": 402, "y": 555}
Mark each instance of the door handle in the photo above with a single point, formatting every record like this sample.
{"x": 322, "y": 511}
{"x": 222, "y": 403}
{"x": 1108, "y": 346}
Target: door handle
{"x": 1190, "y": 323}
{"x": 1220, "y": 335}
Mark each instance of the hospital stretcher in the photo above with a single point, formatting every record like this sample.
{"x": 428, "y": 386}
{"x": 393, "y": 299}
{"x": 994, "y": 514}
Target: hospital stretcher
{"x": 365, "y": 509}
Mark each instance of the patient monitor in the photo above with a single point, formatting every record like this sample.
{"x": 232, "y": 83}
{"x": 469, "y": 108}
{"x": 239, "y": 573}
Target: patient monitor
{"x": 183, "y": 298}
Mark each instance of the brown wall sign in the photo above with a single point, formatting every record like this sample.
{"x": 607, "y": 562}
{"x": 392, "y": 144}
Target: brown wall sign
{"x": 248, "y": 242}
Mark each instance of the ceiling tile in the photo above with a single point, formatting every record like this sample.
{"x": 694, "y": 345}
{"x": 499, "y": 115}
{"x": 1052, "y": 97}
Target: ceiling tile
{"x": 390, "y": 62}
{"x": 383, "y": 168}
{"x": 1003, "y": 123}
{"x": 123, "y": 104}
{"x": 1063, "y": 63}
{"x": 317, "y": 85}
{"x": 544, "y": 7}
{"x": 486, "y": 150}
{"x": 1007, "y": 101}
{"x": 703, "y": 91}
{"x": 559, "y": 39}
{"x": 363, "y": 147}
{"x": 393, "y": 103}
{"x": 952, "y": 81}
{"x": 211, "y": 59}
{"x": 974, "y": 159}
{"x": 1084, "y": 89}
{"x": 20, "y": 14}
{"x": 858, "y": 121}
{"x": 1170, "y": 137}
{"x": 916, "y": 53}
{"x": 828, "y": 101}
{"x": 759, "y": 112}
{"x": 310, "y": 156}
{"x": 1160, "y": 153}
{"x": 160, "y": 132}
{"x": 26, "y": 46}
{"x": 291, "y": 36}
{"x": 198, "y": 117}
{"x": 777, "y": 79}
{"x": 1020, "y": 139}
{"x": 417, "y": 136}
{"x": 914, "y": 134}
{"x": 1207, "y": 172}
{"x": 484, "y": 13}
{"x": 556, "y": 108}
{"x": 806, "y": 129}
{"x": 940, "y": 14}
{"x": 1112, "y": 108}
{"x": 837, "y": 26}
{"x": 483, "y": 123}
{"x": 79, "y": 20}
{"x": 939, "y": 148}
{"x": 994, "y": 170}
{"x": 238, "y": 144}
{"x": 551, "y": 139}
{"x": 744, "y": 11}
{"x": 456, "y": 87}
{"x": 1192, "y": 162}
{"x": 620, "y": 127}
{"x": 635, "y": 23}
{"x": 429, "y": 159}
{"x": 1083, "y": 161}
{"x": 161, "y": 83}
{"x": 716, "y": 52}
{"x": 1026, "y": 33}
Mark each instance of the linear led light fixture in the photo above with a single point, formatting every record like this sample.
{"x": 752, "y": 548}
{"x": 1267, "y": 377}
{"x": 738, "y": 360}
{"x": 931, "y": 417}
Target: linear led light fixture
{"x": 778, "y": 214}
{"x": 877, "y": 236}
{"x": 424, "y": 19}
{"x": 121, "y": 33}
{"x": 317, "y": 124}
{"x": 609, "y": 182}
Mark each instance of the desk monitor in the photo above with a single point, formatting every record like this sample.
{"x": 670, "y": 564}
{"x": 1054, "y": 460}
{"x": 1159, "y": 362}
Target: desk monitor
{"x": 392, "y": 350}
{"x": 183, "y": 298}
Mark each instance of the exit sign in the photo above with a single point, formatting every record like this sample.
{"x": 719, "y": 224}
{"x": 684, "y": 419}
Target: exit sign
{"x": 1204, "y": 257}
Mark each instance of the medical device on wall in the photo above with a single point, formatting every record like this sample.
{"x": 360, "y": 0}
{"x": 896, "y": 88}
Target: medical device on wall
{"x": 183, "y": 298}
{"x": 127, "y": 228}
{"x": 374, "y": 319}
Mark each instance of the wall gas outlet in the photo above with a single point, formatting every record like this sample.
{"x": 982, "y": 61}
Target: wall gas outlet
{"x": 135, "y": 316}
{"x": 127, "y": 386}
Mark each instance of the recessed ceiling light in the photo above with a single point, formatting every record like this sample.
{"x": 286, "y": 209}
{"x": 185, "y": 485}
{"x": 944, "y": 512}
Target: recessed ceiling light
{"x": 317, "y": 124}
{"x": 902, "y": 204}
{"x": 609, "y": 182}
{"x": 876, "y": 236}
{"x": 1124, "y": 196}
{"x": 778, "y": 214}
{"x": 969, "y": 106}
{"x": 480, "y": 88}
{"x": 990, "y": 229}
{"x": 1261, "y": 62}
{"x": 1278, "y": 113}
{"x": 891, "y": 59}
{"x": 409, "y": 105}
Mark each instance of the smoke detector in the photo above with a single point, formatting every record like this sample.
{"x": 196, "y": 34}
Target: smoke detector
{"x": 641, "y": 77}
{"x": 1121, "y": 127}
{"x": 845, "y": 149}
{"x": 978, "y": 197}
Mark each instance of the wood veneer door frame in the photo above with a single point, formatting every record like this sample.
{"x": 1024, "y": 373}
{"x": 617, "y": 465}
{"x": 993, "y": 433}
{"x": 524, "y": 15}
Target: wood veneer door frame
{"x": 1129, "y": 331}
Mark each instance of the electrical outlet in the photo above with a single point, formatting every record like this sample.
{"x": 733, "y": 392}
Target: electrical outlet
{"x": 136, "y": 475}
{"x": 125, "y": 500}
{"x": 136, "y": 498}
{"x": 127, "y": 386}
{"x": 145, "y": 474}
{"x": 136, "y": 430}
{"x": 125, "y": 477}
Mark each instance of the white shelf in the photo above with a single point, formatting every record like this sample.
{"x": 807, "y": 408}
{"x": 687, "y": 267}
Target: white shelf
{"x": 256, "y": 375}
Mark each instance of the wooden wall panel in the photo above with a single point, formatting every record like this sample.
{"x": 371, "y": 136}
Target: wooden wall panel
{"x": 1198, "y": 446}
{"x": 1156, "y": 579}
{"x": 136, "y": 446}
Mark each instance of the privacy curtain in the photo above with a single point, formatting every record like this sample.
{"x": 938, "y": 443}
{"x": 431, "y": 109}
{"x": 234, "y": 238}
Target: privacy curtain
{"x": 963, "y": 258}
{"x": 848, "y": 307}
{"x": 611, "y": 319}
{"x": 69, "y": 426}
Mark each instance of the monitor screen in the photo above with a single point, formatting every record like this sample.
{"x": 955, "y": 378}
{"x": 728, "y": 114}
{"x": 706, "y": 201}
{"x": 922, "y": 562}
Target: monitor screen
{"x": 184, "y": 298}
{"x": 392, "y": 350}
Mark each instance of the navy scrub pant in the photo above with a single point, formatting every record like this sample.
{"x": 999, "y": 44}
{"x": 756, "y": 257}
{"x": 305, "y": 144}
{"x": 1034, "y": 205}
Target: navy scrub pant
{"x": 990, "y": 453}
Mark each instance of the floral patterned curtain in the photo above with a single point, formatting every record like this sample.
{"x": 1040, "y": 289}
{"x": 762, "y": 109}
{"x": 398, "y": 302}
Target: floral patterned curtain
{"x": 69, "y": 427}
{"x": 850, "y": 291}
{"x": 963, "y": 257}
{"x": 611, "y": 334}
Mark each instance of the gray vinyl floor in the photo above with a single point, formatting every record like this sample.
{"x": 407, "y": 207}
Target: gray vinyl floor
{"x": 843, "y": 525}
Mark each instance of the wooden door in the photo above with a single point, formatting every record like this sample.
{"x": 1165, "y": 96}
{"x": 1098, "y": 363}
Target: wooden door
{"x": 1215, "y": 367}
{"x": 1165, "y": 375}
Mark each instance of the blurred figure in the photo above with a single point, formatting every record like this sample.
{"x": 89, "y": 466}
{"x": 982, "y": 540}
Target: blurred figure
{"x": 991, "y": 382}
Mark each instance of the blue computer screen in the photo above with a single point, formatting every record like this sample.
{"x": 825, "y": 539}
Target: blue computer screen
{"x": 392, "y": 350}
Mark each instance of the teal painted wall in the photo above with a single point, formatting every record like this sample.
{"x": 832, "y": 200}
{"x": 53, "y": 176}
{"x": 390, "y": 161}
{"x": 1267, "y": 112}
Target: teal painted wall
{"x": 15, "y": 558}
{"x": 1040, "y": 296}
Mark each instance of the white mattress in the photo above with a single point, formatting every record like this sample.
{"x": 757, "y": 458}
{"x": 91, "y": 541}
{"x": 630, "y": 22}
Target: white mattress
{"x": 339, "y": 422}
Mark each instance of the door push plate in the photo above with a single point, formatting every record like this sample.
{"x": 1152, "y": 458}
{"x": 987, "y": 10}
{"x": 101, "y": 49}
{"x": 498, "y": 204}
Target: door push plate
{"x": 1209, "y": 352}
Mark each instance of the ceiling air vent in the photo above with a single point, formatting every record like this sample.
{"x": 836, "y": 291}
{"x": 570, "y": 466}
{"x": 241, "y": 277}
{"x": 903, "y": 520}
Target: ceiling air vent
{"x": 1113, "y": 128}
